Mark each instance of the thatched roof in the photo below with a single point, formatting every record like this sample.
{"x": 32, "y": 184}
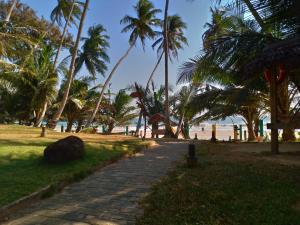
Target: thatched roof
{"x": 285, "y": 52}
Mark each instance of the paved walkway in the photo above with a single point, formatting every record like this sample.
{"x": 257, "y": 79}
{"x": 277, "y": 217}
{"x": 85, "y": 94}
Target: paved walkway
{"x": 109, "y": 196}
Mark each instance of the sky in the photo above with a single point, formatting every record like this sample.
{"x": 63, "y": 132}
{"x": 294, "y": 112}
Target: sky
{"x": 139, "y": 64}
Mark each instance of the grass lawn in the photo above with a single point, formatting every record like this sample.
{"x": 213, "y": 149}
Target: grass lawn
{"x": 23, "y": 171}
{"x": 226, "y": 189}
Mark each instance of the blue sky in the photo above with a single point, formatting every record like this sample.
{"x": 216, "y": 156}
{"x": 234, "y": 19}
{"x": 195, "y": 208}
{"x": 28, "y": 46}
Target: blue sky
{"x": 138, "y": 66}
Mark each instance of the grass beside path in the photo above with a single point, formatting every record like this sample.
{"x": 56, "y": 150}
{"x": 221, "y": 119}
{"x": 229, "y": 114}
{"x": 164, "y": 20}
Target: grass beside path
{"x": 23, "y": 171}
{"x": 226, "y": 189}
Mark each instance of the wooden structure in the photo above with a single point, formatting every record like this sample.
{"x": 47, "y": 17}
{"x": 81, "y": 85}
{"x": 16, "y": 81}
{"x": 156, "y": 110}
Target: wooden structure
{"x": 277, "y": 61}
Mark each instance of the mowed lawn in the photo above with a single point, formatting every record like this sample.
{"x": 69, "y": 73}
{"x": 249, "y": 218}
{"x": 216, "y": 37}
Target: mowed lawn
{"x": 23, "y": 171}
{"x": 227, "y": 188}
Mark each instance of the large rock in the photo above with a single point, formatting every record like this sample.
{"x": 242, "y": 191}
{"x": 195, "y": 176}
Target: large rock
{"x": 64, "y": 150}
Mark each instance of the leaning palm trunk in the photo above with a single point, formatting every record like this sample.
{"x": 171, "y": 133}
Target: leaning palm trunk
{"x": 57, "y": 115}
{"x": 153, "y": 72}
{"x": 90, "y": 121}
{"x": 41, "y": 115}
{"x": 179, "y": 126}
{"x": 63, "y": 34}
{"x": 255, "y": 14}
{"x": 7, "y": 19}
{"x": 138, "y": 126}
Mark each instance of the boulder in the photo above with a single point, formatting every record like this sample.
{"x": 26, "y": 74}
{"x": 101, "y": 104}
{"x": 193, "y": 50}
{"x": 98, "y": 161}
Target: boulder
{"x": 64, "y": 150}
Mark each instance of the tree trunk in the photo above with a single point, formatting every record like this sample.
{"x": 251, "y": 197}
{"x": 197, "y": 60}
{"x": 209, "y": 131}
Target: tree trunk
{"x": 154, "y": 127}
{"x": 110, "y": 128}
{"x": 70, "y": 124}
{"x": 155, "y": 68}
{"x": 63, "y": 35}
{"x": 179, "y": 126}
{"x": 284, "y": 109}
{"x": 41, "y": 116}
{"x": 138, "y": 126}
{"x": 255, "y": 14}
{"x": 145, "y": 126}
{"x": 79, "y": 125}
{"x": 106, "y": 84}
{"x": 7, "y": 19}
{"x": 169, "y": 132}
{"x": 57, "y": 115}
{"x": 251, "y": 133}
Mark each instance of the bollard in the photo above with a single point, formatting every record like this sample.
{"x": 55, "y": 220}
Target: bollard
{"x": 43, "y": 134}
{"x": 245, "y": 135}
{"x": 196, "y": 136}
{"x": 213, "y": 133}
{"x": 229, "y": 139}
{"x": 62, "y": 128}
{"x": 192, "y": 158}
{"x": 126, "y": 130}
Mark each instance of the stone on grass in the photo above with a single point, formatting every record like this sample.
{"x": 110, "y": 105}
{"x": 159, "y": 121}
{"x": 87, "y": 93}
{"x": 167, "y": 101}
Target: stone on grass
{"x": 64, "y": 150}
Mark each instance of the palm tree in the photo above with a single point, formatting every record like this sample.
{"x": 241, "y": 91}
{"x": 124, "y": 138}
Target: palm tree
{"x": 53, "y": 121}
{"x": 182, "y": 101}
{"x": 70, "y": 10}
{"x": 141, "y": 28}
{"x": 93, "y": 54}
{"x": 117, "y": 113}
{"x": 13, "y": 4}
{"x": 176, "y": 41}
{"x": 166, "y": 47}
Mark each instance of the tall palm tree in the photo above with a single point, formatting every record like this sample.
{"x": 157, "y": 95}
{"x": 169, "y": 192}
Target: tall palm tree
{"x": 169, "y": 132}
{"x": 11, "y": 8}
{"x": 53, "y": 121}
{"x": 141, "y": 28}
{"x": 93, "y": 54}
{"x": 176, "y": 41}
{"x": 70, "y": 10}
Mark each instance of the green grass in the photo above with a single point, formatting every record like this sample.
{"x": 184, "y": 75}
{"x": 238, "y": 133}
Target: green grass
{"x": 23, "y": 171}
{"x": 226, "y": 191}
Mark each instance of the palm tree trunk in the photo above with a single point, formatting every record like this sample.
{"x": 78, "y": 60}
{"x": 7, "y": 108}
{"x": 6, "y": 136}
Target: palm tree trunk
{"x": 155, "y": 68}
{"x": 145, "y": 125}
{"x": 41, "y": 116}
{"x": 70, "y": 124}
{"x": 169, "y": 132}
{"x": 255, "y": 14}
{"x": 284, "y": 109}
{"x": 251, "y": 133}
{"x": 138, "y": 126}
{"x": 179, "y": 126}
{"x": 63, "y": 35}
{"x": 79, "y": 125}
{"x": 57, "y": 115}
{"x": 7, "y": 19}
{"x": 106, "y": 84}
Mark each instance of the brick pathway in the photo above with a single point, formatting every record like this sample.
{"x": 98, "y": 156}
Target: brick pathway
{"x": 109, "y": 196}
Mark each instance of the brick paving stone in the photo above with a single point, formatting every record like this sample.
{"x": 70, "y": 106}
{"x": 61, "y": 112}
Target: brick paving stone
{"x": 107, "y": 197}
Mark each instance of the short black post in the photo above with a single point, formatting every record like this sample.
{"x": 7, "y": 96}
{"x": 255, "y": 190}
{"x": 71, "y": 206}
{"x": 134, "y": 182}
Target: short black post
{"x": 43, "y": 134}
{"x": 196, "y": 136}
{"x": 192, "y": 158}
{"x": 62, "y": 128}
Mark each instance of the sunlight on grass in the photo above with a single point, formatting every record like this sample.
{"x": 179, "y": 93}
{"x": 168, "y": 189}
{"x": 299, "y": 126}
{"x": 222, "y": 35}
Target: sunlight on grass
{"x": 23, "y": 170}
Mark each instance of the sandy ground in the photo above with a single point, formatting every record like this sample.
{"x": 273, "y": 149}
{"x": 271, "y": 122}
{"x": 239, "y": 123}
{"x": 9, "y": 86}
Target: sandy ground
{"x": 289, "y": 152}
